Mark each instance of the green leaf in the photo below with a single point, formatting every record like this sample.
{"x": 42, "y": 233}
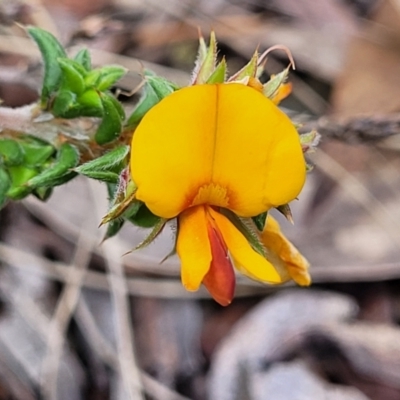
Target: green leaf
{"x": 111, "y": 125}
{"x": 59, "y": 180}
{"x": 106, "y": 162}
{"x": 67, "y": 159}
{"x": 63, "y": 103}
{"x": 104, "y": 176}
{"x": 113, "y": 227}
{"x": 51, "y": 49}
{"x": 161, "y": 86}
{"x": 72, "y": 75}
{"x": 11, "y": 152}
{"x": 92, "y": 78}
{"x": 117, "y": 105}
{"x": 5, "y": 184}
{"x": 144, "y": 218}
{"x": 108, "y": 76}
{"x": 90, "y": 103}
{"x": 219, "y": 74}
{"x": 19, "y": 176}
{"x": 148, "y": 100}
{"x": 84, "y": 59}
{"x": 43, "y": 193}
{"x": 36, "y": 153}
{"x": 259, "y": 220}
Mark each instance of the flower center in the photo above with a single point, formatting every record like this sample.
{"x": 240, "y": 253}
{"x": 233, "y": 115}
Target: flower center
{"x": 211, "y": 194}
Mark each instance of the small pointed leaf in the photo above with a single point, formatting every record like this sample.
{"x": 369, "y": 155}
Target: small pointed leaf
{"x": 272, "y": 86}
{"x": 113, "y": 227}
{"x": 248, "y": 71}
{"x": 109, "y": 75}
{"x": 36, "y": 153}
{"x": 51, "y": 49}
{"x": 111, "y": 125}
{"x": 208, "y": 65}
{"x": 67, "y": 159}
{"x": 72, "y": 75}
{"x": 84, "y": 59}
{"x": 106, "y": 162}
{"x": 157, "y": 228}
{"x": 286, "y": 211}
{"x": 147, "y": 101}
{"x": 63, "y": 103}
{"x": 119, "y": 208}
{"x": 89, "y": 103}
{"x": 259, "y": 220}
{"x": 219, "y": 74}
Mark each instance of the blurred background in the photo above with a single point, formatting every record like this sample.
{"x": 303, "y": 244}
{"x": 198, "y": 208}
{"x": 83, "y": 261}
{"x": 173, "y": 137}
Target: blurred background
{"x": 80, "y": 321}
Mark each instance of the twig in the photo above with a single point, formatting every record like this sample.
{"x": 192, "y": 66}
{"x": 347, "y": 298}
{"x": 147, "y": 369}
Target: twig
{"x": 62, "y": 315}
{"x": 361, "y": 129}
{"x": 104, "y": 350}
{"x": 119, "y": 292}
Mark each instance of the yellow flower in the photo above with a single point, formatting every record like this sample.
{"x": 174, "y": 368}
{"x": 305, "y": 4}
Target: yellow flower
{"x": 208, "y": 150}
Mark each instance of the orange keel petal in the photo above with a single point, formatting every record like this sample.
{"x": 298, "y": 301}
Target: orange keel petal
{"x": 220, "y": 278}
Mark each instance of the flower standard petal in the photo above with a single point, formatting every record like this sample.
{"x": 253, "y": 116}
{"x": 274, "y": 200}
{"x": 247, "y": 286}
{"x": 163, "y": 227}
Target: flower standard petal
{"x": 193, "y": 247}
{"x": 288, "y": 260}
{"x": 246, "y": 259}
{"x": 229, "y": 136}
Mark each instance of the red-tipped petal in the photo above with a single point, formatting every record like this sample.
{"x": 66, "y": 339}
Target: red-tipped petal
{"x": 220, "y": 278}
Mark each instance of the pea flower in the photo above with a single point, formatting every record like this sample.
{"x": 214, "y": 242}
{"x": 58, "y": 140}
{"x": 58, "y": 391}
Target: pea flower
{"x": 218, "y": 155}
